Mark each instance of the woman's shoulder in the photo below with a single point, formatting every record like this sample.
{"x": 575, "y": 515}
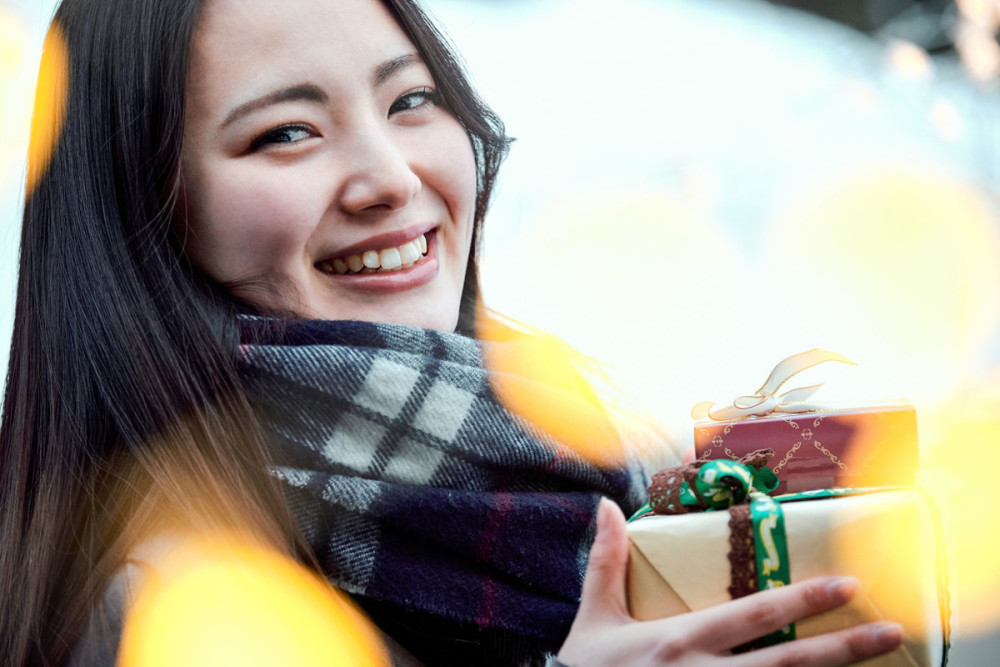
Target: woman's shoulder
{"x": 101, "y": 638}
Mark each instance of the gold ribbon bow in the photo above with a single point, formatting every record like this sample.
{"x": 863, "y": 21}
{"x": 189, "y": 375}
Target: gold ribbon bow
{"x": 765, "y": 400}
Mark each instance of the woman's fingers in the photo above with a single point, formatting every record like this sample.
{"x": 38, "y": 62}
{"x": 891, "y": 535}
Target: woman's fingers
{"x": 604, "y": 582}
{"x": 831, "y": 650}
{"x": 604, "y": 634}
{"x": 733, "y": 623}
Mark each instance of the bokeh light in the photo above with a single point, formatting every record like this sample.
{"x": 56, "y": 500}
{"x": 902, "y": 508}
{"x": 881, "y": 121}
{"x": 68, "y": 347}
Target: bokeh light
{"x": 50, "y": 104}
{"x": 889, "y": 542}
{"x": 961, "y": 438}
{"x": 975, "y": 37}
{"x": 897, "y": 266}
{"x": 219, "y": 602}
{"x": 946, "y": 119}
{"x": 909, "y": 60}
{"x": 553, "y": 386}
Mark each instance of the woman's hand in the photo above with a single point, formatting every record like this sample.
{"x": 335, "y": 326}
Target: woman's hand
{"x": 603, "y": 633}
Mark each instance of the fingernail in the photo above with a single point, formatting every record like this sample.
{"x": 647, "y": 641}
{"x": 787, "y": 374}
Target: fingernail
{"x": 602, "y": 514}
{"x": 842, "y": 588}
{"x": 887, "y": 635}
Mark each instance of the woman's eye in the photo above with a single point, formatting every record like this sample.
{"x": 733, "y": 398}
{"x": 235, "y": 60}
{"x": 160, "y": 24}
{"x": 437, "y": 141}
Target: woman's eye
{"x": 286, "y": 134}
{"x": 414, "y": 100}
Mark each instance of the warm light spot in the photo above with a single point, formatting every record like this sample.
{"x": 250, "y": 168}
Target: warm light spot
{"x": 961, "y": 446}
{"x": 546, "y": 382}
{"x": 978, "y": 50}
{"x": 909, "y": 60}
{"x": 896, "y": 268}
{"x": 50, "y": 105}
{"x": 219, "y": 603}
{"x": 893, "y": 551}
{"x": 981, "y": 12}
{"x": 884, "y": 450}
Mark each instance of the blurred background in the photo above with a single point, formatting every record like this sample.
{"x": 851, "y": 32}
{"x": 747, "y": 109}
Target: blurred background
{"x": 700, "y": 188}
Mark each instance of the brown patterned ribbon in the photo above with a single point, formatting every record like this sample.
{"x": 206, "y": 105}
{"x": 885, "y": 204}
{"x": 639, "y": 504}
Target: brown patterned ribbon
{"x": 665, "y": 498}
{"x": 742, "y": 562}
{"x": 665, "y": 489}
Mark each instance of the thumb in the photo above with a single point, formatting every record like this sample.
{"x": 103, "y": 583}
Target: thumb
{"x": 604, "y": 582}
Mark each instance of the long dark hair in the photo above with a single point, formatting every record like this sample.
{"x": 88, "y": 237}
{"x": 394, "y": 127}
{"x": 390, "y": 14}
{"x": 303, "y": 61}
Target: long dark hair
{"x": 122, "y": 392}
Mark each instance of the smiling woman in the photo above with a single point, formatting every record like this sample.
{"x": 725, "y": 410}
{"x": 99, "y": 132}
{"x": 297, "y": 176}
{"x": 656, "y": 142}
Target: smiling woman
{"x": 241, "y": 277}
{"x": 322, "y": 170}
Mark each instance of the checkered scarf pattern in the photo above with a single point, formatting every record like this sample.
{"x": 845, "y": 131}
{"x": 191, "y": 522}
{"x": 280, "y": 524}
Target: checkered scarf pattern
{"x": 421, "y": 495}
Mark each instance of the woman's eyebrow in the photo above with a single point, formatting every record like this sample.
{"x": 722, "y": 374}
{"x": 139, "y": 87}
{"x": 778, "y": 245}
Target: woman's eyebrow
{"x": 384, "y": 71}
{"x": 302, "y": 91}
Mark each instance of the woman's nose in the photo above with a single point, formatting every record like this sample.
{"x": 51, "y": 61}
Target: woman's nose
{"x": 378, "y": 175}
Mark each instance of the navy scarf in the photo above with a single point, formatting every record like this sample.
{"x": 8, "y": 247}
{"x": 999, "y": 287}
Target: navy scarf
{"x": 461, "y": 529}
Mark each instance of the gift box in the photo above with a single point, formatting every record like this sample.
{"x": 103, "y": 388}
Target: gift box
{"x": 816, "y": 445}
{"x": 888, "y": 538}
{"x": 874, "y": 445}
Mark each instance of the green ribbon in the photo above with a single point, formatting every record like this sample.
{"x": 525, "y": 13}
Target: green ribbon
{"x": 771, "y": 551}
{"x": 722, "y": 484}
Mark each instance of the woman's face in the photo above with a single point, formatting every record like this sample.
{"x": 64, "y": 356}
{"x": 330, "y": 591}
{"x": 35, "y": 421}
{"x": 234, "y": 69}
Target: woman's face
{"x": 320, "y": 174}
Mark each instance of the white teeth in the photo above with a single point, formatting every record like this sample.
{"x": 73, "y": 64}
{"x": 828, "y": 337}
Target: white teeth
{"x": 391, "y": 259}
{"x": 355, "y": 263}
{"x": 388, "y": 259}
{"x": 408, "y": 253}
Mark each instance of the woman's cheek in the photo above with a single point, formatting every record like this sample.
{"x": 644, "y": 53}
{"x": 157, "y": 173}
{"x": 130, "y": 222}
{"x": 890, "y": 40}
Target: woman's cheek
{"x": 451, "y": 171}
{"x": 258, "y": 223}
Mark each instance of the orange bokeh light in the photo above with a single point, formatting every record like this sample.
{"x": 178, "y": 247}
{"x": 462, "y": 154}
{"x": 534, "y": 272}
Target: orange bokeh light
{"x": 50, "y": 105}
{"x": 221, "y": 602}
{"x": 543, "y": 380}
{"x": 893, "y": 264}
{"x": 960, "y": 441}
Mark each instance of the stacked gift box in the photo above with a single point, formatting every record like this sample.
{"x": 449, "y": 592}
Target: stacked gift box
{"x": 843, "y": 478}
{"x": 870, "y": 445}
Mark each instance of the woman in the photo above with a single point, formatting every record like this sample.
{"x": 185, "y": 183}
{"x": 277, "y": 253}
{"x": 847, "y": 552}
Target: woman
{"x": 304, "y": 159}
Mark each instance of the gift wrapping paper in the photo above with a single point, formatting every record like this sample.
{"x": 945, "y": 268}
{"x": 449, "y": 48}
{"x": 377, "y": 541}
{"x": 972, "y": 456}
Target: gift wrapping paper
{"x": 888, "y": 539}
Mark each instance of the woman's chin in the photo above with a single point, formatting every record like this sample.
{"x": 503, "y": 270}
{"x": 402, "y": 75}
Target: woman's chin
{"x": 439, "y": 318}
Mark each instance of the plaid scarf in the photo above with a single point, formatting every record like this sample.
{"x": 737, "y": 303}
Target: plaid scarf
{"x": 461, "y": 530}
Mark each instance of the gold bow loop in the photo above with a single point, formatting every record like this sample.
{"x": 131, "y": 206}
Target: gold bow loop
{"x": 766, "y": 399}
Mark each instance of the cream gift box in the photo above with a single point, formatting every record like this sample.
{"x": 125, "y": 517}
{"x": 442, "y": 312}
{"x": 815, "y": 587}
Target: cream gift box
{"x": 886, "y": 538}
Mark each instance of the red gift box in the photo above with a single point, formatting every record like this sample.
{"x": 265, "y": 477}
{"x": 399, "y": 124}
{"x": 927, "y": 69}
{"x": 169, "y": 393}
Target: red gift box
{"x": 873, "y": 445}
